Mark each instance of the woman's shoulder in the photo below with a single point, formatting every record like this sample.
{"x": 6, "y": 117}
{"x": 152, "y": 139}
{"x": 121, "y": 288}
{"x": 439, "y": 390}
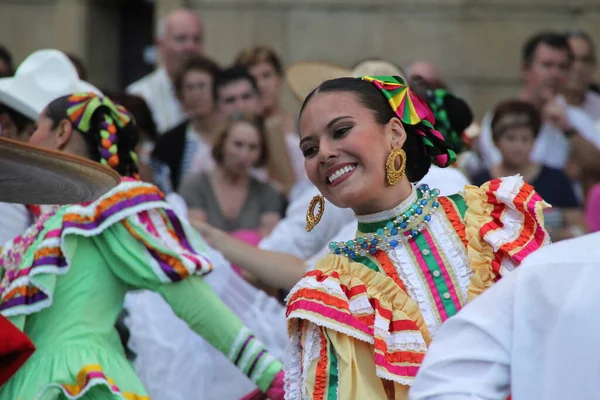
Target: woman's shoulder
{"x": 130, "y": 197}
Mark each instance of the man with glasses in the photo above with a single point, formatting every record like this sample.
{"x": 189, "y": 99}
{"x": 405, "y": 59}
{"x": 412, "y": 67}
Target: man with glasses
{"x": 566, "y": 131}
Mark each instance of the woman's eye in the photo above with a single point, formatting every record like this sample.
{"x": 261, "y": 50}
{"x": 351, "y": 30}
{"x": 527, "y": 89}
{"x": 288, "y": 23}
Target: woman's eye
{"x": 309, "y": 151}
{"x": 340, "y": 132}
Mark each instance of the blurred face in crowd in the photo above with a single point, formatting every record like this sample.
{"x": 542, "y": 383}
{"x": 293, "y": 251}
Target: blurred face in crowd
{"x": 583, "y": 67}
{"x": 10, "y": 130}
{"x": 196, "y": 94}
{"x": 242, "y": 147}
{"x": 546, "y": 76}
{"x": 515, "y": 145}
{"x": 269, "y": 84}
{"x": 183, "y": 38}
{"x": 238, "y": 96}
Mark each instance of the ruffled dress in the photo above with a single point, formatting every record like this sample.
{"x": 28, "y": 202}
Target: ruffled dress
{"x": 65, "y": 279}
{"x": 359, "y": 328}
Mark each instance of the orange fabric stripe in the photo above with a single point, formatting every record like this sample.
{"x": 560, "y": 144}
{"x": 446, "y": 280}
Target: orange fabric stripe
{"x": 321, "y": 372}
{"x": 108, "y": 203}
{"x": 171, "y": 260}
{"x": 388, "y": 267}
{"x": 455, "y": 219}
{"x": 314, "y": 294}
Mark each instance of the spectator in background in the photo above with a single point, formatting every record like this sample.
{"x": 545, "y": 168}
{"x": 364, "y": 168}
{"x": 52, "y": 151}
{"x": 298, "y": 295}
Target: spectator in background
{"x": 79, "y": 65}
{"x": 577, "y": 92}
{"x": 515, "y": 126}
{"x": 236, "y": 90}
{"x": 6, "y": 63}
{"x": 227, "y": 196}
{"x": 178, "y": 147}
{"x": 266, "y": 68}
{"x": 179, "y": 36}
{"x": 566, "y": 131}
{"x": 426, "y": 71}
{"x": 146, "y": 127}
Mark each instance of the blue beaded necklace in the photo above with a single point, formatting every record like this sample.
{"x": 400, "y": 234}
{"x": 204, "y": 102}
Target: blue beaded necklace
{"x": 413, "y": 221}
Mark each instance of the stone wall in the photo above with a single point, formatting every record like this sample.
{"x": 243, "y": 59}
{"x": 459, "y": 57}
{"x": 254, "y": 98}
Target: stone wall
{"x": 476, "y": 43}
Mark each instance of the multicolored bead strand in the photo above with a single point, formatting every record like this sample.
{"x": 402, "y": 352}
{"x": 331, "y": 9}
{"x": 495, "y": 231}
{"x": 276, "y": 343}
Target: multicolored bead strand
{"x": 403, "y": 228}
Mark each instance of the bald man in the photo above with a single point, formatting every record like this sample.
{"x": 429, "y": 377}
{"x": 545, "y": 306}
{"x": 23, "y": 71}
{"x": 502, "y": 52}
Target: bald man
{"x": 426, "y": 71}
{"x": 179, "y": 36}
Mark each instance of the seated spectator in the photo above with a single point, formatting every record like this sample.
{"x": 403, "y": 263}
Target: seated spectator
{"x": 228, "y": 197}
{"x": 177, "y": 148}
{"x": 515, "y": 127}
{"x": 236, "y": 90}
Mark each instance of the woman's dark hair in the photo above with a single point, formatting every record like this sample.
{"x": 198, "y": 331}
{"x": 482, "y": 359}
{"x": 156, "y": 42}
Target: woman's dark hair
{"x": 417, "y": 162}
{"x": 126, "y": 137}
{"x": 223, "y": 132}
{"x": 515, "y": 113}
{"x": 138, "y": 107}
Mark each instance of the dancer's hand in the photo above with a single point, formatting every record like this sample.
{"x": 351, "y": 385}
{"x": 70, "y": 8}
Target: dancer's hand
{"x": 275, "y": 391}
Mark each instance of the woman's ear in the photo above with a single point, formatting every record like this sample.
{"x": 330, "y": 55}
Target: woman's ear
{"x": 64, "y": 131}
{"x": 397, "y": 131}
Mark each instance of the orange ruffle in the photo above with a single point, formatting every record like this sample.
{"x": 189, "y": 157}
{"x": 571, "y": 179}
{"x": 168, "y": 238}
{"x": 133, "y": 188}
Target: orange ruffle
{"x": 324, "y": 297}
{"x": 487, "y": 214}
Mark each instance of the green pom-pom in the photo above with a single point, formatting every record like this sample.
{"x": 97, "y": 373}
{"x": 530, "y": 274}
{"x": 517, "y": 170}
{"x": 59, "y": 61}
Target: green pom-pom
{"x": 104, "y": 134}
{"x": 113, "y": 149}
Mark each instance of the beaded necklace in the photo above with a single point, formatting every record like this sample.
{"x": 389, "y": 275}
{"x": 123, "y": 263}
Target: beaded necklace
{"x": 403, "y": 228}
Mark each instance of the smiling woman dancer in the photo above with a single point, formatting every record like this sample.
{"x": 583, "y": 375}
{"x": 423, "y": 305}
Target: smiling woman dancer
{"x": 360, "y": 323}
{"x": 65, "y": 278}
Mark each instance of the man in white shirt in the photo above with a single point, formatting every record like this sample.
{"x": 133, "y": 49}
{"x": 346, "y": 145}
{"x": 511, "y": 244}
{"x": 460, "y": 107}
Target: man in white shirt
{"x": 533, "y": 335}
{"x": 566, "y": 131}
{"x": 577, "y": 92}
{"x": 179, "y": 36}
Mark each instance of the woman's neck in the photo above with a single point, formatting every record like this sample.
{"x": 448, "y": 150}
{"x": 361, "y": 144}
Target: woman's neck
{"x": 574, "y": 98}
{"x": 203, "y": 126}
{"x": 392, "y": 196}
{"x": 222, "y": 175}
{"x": 272, "y": 111}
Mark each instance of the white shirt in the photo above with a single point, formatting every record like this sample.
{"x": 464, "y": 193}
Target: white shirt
{"x": 158, "y": 91}
{"x": 551, "y": 148}
{"x": 14, "y": 219}
{"x": 591, "y": 105}
{"x": 533, "y": 335}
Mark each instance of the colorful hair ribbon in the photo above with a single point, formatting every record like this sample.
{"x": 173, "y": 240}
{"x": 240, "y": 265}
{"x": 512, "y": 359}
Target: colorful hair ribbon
{"x": 82, "y": 107}
{"x": 414, "y": 111}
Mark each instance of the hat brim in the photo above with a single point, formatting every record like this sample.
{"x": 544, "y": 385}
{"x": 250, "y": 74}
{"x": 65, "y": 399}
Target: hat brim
{"x": 304, "y": 76}
{"x": 32, "y": 175}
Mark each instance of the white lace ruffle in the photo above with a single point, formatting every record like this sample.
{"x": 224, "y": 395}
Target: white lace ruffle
{"x": 174, "y": 363}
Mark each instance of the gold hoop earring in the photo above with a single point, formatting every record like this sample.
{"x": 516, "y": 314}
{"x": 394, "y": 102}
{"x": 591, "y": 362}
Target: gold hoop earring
{"x": 393, "y": 175}
{"x": 313, "y": 219}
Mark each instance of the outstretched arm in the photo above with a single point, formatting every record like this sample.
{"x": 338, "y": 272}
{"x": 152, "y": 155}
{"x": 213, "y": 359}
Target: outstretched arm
{"x": 275, "y": 269}
{"x": 194, "y": 301}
